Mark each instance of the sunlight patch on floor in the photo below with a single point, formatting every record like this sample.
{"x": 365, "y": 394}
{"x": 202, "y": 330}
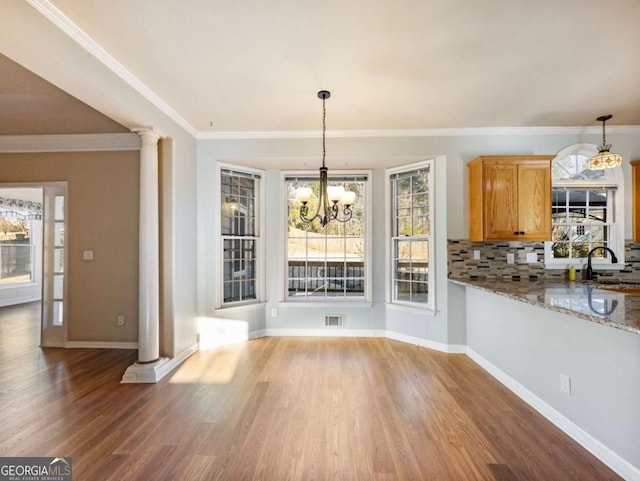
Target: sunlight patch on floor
{"x": 214, "y": 332}
{"x": 219, "y": 355}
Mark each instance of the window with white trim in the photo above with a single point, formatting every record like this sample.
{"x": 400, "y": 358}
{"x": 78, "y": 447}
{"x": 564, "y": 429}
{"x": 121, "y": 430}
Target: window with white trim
{"x": 412, "y": 280}
{"x": 586, "y": 211}
{"x": 326, "y": 263}
{"x": 240, "y": 236}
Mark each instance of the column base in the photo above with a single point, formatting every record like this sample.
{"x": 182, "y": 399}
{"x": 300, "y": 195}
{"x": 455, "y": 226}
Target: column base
{"x": 147, "y": 373}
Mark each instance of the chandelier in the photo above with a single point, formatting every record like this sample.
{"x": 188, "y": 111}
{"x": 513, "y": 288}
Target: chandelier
{"x": 330, "y": 197}
{"x": 604, "y": 159}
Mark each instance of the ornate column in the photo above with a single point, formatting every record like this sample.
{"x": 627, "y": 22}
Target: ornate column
{"x": 146, "y": 369}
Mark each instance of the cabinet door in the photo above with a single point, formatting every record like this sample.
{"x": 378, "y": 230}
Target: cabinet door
{"x": 501, "y": 201}
{"x": 534, "y": 201}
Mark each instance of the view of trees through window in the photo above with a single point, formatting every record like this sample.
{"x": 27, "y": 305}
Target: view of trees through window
{"x": 15, "y": 250}
{"x": 582, "y": 210}
{"x": 239, "y": 229}
{"x": 410, "y": 238}
{"x": 326, "y": 261}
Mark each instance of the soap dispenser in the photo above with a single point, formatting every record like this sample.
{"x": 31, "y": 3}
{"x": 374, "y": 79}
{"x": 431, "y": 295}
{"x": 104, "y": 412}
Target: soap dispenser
{"x": 571, "y": 275}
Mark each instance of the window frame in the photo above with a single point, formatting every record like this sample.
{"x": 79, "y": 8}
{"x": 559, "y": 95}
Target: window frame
{"x": 316, "y": 301}
{"x": 430, "y": 304}
{"x": 258, "y": 237}
{"x": 613, "y": 180}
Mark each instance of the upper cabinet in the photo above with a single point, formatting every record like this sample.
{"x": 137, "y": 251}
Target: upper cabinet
{"x": 510, "y": 198}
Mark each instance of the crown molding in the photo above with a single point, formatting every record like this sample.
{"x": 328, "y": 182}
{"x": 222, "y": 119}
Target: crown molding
{"x": 60, "y": 20}
{"x": 68, "y": 143}
{"x": 457, "y": 132}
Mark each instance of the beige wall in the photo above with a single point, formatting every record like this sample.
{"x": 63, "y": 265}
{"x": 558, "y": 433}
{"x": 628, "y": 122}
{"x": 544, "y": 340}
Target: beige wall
{"x": 103, "y": 189}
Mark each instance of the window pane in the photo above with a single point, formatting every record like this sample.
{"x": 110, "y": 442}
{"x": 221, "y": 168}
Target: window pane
{"x": 58, "y": 310}
{"x": 326, "y": 262}
{"x": 412, "y": 228}
{"x": 239, "y": 228}
{"x": 58, "y": 286}
{"x": 15, "y": 263}
{"x": 58, "y": 260}
{"x": 58, "y": 208}
{"x": 584, "y": 224}
{"x": 58, "y": 234}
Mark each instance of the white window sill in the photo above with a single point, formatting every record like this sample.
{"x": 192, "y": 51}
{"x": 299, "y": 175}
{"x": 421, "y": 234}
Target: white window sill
{"x": 18, "y": 285}
{"x": 240, "y": 307}
{"x": 323, "y": 304}
{"x": 583, "y": 265}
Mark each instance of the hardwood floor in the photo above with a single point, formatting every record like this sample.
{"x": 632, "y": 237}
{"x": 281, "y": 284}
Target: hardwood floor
{"x": 277, "y": 409}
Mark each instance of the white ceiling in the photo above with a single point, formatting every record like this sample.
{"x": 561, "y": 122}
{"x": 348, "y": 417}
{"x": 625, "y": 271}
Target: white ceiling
{"x": 252, "y": 65}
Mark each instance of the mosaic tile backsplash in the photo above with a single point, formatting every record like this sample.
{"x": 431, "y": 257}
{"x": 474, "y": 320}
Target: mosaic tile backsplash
{"x": 493, "y": 262}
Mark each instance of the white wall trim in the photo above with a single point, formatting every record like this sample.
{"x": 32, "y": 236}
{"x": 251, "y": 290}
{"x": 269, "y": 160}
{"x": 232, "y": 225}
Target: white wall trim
{"x": 326, "y": 332}
{"x": 60, "y": 20}
{"x": 258, "y": 334}
{"x": 69, "y": 143}
{"x": 155, "y": 371}
{"x": 13, "y": 301}
{"x": 591, "y": 444}
{"x": 178, "y": 359}
{"x": 453, "y": 132}
{"x": 101, "y": 345}
{"x": 418, "y": 341}
{"x": 339, "y": 332}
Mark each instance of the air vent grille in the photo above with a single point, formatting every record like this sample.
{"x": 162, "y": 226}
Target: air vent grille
{"x": 333, "y": 320}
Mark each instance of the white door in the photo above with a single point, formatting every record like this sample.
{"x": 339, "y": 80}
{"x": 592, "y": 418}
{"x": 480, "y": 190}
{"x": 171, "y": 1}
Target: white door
{"x": 54, "y": 306}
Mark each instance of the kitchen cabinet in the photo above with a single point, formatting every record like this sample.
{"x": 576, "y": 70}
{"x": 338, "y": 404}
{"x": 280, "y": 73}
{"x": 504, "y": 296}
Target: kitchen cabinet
{"x": 510, "y": 198}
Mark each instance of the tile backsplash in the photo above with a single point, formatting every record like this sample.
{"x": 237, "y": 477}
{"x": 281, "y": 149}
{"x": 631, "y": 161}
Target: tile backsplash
{"x": 493, "y": 261}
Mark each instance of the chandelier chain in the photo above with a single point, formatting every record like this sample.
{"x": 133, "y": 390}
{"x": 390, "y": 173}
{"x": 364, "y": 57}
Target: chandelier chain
{"x": 324, "y": 129}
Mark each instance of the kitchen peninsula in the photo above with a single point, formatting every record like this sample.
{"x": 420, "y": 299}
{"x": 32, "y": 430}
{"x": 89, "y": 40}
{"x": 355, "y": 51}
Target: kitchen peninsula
{"x": 612, "y": 304}
{"x": 571, "y": 350}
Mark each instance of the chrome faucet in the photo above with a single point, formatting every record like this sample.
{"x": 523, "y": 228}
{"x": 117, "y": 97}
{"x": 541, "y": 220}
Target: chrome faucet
{"x": 590, "y": 273}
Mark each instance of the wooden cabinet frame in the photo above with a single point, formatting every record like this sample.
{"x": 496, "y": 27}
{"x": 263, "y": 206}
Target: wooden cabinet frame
{"x": 510, "y": 197}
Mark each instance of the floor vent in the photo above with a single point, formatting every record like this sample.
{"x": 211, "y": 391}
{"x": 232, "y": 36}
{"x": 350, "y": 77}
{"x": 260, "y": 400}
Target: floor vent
{"x": 333, "y": 320}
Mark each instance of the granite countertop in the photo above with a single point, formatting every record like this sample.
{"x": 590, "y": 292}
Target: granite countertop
{"x": 587, "y": 300}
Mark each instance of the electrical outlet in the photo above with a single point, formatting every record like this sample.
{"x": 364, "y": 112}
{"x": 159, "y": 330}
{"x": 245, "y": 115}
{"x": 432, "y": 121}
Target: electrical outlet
{"x": 120, "y": 320}
{"x": 476, "y": 255}
{"x": 532, "y": 257}
{"x": 274, "y": 312}
{"x": 565, "y": 384}
{"x": 511, "y": 258}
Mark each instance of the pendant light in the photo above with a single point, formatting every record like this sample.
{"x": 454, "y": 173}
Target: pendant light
{"x": 330, "y": 196}
{"x": 605, "y": 159}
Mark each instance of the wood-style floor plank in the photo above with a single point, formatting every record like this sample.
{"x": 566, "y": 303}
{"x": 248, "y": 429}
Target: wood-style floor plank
{"x": 367, "y": 409}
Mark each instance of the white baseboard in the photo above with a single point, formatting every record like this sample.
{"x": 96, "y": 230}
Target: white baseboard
{"x": 327, "y": 332}
{"x": 338, "y": 332}
{"x": 591, "y": 444}
{"x": 418, "y": 341}
{"x": 257, "y": 334}
{"x": 155, "y": 371}
{"x": 178, "y": 359}
{"x": 101, "y": 345}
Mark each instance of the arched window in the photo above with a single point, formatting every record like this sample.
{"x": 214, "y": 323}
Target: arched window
{"x": 586, "y": 210}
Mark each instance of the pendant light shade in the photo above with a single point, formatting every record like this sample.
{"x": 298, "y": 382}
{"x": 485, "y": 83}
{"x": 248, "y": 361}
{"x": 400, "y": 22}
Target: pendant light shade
{"x": 605, "y": 159}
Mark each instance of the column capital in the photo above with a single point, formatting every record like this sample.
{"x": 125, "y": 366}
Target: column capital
{"x": 148, "y": 134}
